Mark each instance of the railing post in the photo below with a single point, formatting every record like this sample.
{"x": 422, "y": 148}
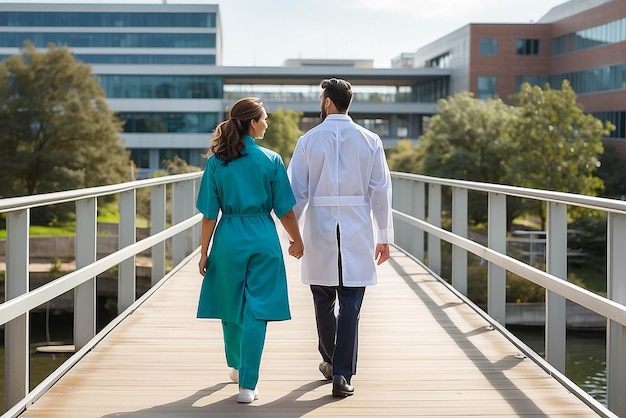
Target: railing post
{"x": 197, "y": 229}
{"x": 496, "y": 275}
{"x": 189, "y": 197}
{"x": 16, "y": 333}
{"x": 556, "y": 264}
{"x": 434, "y": 217}
{"x": 616, "y": 332}
{"x": 398, "y": 200}
{"x": 126, "y": 274}
{"x": 178, "y": 215}
{"x": 157, "y": 224}
{"x": 402, "y": 201}
{"x": 85, "y": 294}
{"x": 459, "y": 227}
{"x": 419, "y": 209}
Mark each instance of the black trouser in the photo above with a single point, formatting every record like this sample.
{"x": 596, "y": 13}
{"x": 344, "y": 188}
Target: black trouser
{"x": 338, "y": 337}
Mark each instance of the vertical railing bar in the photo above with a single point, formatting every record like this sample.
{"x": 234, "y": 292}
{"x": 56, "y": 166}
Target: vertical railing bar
{"x": 459, "y": 227}
{"x": 178, "y": 213}
{"x": 400, "y": 199}
{"x": 157, "y": 224}
{"x": 189, "y": 209}
{"x": 85, "y": 294}
{"x": 16, "y": 332}
{"x": 556, "y": 264}
{"x": 419, "y": 207}
{"x": 616, "y": 332}
{"x": 434, "y": 217}
{"x": 196, "y": 229}
{"x": 496, "y": 275}
{"x": 127, "y": 276}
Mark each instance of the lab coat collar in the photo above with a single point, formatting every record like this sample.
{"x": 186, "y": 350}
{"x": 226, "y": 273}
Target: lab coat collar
{"x": 338, "y": 116}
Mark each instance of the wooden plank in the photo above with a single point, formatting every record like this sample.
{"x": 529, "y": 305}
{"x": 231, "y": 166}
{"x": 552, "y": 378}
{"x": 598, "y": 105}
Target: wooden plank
{"x": 423, "y": 353}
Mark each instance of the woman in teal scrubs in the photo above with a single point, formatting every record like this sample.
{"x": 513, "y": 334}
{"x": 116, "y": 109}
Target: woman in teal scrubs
{"x": 245, "y": 283}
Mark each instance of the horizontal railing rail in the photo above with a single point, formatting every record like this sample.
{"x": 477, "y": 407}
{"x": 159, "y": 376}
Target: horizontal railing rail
{"x": 183, "y": 232}
{"x": 418, "y": 206}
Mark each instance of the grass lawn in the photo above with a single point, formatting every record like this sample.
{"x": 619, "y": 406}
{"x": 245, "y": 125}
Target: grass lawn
{"x": 108, "y": 213}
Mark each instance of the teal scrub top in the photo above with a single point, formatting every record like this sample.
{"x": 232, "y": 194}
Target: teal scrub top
{"x": 245, "y": 263}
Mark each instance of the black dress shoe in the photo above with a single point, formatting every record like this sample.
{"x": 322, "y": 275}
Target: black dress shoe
{"x": 341, "y": 387}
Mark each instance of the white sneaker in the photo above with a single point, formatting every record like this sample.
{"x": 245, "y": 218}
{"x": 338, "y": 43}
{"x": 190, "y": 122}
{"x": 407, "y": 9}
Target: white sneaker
{"x": 234, "y": 375}
{"x": 247, "y": 395}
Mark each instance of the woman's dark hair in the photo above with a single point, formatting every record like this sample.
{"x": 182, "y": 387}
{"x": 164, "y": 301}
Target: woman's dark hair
{"x": 339, "y": 91}
{"x": 227, "y": 143}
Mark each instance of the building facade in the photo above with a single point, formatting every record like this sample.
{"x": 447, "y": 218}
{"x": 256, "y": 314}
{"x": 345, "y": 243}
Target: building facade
{"x": 160, "y": 66}
{"x": 152, "y": 61}
{"x": 583, "y": 41}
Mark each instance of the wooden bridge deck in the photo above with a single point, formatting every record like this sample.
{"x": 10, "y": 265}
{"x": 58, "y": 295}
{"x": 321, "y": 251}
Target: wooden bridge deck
{"x": 423, "y": 353}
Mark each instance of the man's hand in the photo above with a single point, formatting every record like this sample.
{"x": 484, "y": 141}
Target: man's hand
{"x": 382, "y": 253}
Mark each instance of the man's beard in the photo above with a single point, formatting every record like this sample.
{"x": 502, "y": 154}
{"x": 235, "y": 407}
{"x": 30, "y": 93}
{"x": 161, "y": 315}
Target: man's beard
{"x": 323, "y": 114}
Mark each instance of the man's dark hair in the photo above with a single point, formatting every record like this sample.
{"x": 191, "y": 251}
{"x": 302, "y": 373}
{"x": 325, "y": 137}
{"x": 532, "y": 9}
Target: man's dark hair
{"x": 339, "y": 91}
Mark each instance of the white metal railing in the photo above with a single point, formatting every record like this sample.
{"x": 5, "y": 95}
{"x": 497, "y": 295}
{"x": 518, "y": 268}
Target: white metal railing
{"x": 184, "y": 233}
{"x": 418, "y": 206}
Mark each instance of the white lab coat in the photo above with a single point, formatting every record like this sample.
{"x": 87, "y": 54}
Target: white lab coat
{"x": 340, "y": 177}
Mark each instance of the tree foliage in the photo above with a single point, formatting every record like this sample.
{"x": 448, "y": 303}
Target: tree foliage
{"x": 612, "y": 171}
{"x": 170, "y": 167}
{"x": 558, "y": 146}
{"x": 543, "y": 141}
{"x": 405, "y": 158}
{"x": 469, "y": 139}
{"x": 56, "y": 129}
{"x": 282, "y": 132}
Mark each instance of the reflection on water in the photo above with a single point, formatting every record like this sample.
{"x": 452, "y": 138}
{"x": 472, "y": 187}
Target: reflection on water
{"x": 585, "y": 360}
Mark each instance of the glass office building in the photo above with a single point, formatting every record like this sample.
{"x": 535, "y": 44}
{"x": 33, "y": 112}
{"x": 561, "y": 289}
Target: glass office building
{"x": 583, "y": 42}
{"x": 160, "y": 66}
{"x": 151, "y": 60}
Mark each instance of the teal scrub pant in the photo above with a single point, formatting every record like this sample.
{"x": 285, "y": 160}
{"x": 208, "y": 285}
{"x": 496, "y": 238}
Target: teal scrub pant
{"x": 243, "y": 344}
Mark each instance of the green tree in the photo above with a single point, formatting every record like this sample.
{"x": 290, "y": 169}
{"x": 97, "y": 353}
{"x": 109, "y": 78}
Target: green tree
{"x": 56, "y": 129}
{"x": 558, "y": 146}
{"x": 405, "y": 158}
{"x": 282, "y": 132}
{"x": 469, "y": 139}
{"x": 612, "y": 171}
{"x": 170, "y": 167}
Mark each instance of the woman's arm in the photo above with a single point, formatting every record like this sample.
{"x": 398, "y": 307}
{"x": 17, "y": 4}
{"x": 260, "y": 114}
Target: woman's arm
{"x": 208, "y": 226}
{"x": 296, "y": 247}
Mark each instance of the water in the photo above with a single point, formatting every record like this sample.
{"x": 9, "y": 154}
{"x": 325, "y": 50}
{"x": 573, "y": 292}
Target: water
{"x": 585, "y": 359}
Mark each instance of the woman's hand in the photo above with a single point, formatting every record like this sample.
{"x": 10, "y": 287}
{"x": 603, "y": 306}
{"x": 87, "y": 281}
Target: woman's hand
{"x": 202, "y": 264}
{"x": 296, "y": 249}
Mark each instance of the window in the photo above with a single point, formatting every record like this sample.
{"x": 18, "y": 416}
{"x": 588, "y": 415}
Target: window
{"x": 533, "y": 80}
{"x": 183, "y": 122}
{"x": 527, "y": 46}
{"x": 104, "y": 19}
{"x": 487, "y": 46}
{"x": 442, "y": 61}
{"x": 486, "y": 87}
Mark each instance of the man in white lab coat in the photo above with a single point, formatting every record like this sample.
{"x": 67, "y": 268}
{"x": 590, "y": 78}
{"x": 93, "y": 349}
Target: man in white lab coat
{"x": 342, "y": 185}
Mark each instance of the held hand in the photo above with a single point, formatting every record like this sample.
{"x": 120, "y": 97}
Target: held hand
{"x": 296, "y": 249}
{"x": 382, "y": 253}
{"x": 202, "y": 264}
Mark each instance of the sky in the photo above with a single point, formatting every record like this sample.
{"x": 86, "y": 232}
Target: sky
{"x": 266, "y": 33}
